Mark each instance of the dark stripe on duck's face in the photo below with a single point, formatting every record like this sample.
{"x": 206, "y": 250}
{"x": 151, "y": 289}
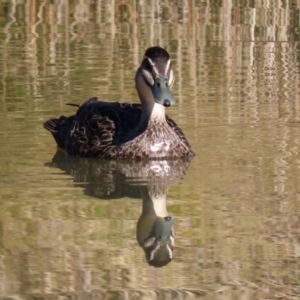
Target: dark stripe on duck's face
{"x": 157, "y": 66}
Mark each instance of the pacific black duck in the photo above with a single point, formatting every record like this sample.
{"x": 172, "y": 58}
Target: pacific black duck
{"x": 120, "y": 130}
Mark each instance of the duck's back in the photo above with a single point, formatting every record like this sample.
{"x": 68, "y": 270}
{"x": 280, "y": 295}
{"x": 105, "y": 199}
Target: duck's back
{"x": 97, "y": 129}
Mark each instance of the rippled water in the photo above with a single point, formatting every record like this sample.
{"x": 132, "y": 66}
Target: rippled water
{"x": 71, "y": 227}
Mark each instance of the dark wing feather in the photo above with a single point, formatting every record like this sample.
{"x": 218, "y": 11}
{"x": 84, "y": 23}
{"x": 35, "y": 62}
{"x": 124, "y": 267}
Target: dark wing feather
{"x": 97, "y": 129}
{"x": 59, "y": 129}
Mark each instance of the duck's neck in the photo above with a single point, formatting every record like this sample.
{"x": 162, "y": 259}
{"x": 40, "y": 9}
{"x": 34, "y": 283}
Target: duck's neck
{"x": 154, "y": 113}
{"x": 154, "y": 205}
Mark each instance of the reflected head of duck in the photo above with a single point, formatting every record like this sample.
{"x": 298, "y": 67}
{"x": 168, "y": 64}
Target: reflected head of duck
{"x": 158, "y": 247}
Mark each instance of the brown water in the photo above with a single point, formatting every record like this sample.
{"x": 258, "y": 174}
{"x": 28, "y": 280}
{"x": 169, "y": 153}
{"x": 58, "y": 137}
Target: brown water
{"x": 68, "y": 228}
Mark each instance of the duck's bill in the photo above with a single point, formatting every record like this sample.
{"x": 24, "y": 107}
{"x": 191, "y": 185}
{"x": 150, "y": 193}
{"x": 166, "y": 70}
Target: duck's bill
{"x": 162, "y": 229}
{"x": 162, "y": 92}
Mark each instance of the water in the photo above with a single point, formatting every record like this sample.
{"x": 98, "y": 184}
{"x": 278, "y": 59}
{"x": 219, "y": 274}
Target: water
{"x": 68, "y": 227}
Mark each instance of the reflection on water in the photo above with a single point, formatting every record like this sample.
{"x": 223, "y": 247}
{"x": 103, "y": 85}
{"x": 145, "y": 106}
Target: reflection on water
{"x": 148, "y": 180}
{"x": 237, "y": 89}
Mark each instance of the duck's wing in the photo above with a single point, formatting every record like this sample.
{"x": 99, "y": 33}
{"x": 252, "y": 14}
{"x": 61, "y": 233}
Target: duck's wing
{"x": 96, "y": 128}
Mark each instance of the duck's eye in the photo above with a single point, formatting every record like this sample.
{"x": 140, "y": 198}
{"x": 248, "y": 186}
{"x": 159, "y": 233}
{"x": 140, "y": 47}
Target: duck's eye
{"x": 158, "y": 85}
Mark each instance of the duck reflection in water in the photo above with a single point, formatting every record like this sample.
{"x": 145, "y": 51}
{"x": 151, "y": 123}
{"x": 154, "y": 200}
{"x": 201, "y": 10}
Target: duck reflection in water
{"x": 149, "y": 180}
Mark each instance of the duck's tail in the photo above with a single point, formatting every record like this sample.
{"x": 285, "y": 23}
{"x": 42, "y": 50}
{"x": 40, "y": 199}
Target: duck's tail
{"x": 60, "y": 129}
{"x": 51, "y": 125}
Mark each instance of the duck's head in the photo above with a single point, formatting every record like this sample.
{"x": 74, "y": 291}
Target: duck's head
{"x": 154, "y": 77}
{"x": 158, "y": 246}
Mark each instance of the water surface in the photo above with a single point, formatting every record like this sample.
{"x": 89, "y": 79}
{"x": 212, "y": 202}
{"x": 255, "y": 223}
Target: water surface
{"x": 235, "y": 206}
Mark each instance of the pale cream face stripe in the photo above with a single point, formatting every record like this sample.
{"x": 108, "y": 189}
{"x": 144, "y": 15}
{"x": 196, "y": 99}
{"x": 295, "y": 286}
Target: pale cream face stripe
{"x": 152, "y": 64}
{"x": 167, "y": 66}
{"x": 156, "y": 249}
{"x": 171, "y": 77}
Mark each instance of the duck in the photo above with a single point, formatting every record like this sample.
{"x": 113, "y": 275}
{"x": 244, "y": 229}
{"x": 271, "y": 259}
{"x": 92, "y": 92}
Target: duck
{"x": 115, "y": 130}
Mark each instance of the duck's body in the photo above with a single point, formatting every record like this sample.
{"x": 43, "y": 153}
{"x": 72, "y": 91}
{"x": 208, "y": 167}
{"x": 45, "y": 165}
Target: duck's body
{"x": 115, "y": 130}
